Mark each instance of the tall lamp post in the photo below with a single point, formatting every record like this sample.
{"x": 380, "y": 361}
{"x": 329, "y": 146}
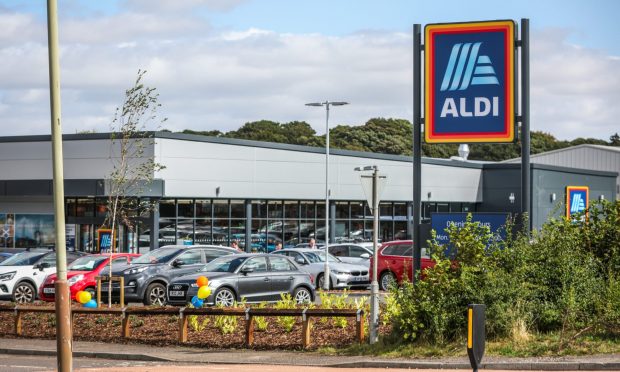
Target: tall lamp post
{"x": 326, "y": 104}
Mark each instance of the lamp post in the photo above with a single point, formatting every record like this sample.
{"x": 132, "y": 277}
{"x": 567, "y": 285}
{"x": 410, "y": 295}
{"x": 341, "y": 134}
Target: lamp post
{"x": 373, "y": 202}
{"x": 326, "y": 104}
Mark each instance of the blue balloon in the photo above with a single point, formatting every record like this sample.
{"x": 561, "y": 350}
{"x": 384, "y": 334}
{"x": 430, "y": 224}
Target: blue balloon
{"x": 196, "y": 302}
{"x": 92, "y": 304}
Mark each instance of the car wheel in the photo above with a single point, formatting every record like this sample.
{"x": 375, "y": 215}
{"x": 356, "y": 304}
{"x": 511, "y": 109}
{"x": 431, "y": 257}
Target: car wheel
{"x": 320, "y": 282}
{"x": 155, "y": 294}
{"x": 302, "y": 296}
{"x": 23, "y": 293}
{"x": 387, "y": 280}
{"x": 224, "y": 297}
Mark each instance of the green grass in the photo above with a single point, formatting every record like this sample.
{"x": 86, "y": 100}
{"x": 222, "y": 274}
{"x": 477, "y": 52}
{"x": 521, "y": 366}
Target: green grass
{"x": 538, "y": 345}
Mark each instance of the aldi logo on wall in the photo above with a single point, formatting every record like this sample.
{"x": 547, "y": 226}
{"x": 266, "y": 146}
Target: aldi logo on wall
{"x": 105, "y": 239}
{"x": 576, "y": 199}
{"x": 469, "y": 82}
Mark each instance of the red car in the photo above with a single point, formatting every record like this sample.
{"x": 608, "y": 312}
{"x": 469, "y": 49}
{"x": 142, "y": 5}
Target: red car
{"x": 394, "y": 258}
{"x": 82, "y": 272}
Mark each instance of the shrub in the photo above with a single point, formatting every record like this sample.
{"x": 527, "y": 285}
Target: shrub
{"x": 225, "y": 323}
{"x": 286, "y": 302}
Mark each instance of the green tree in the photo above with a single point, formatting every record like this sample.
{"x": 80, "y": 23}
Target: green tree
{"x": 208, "y": 133}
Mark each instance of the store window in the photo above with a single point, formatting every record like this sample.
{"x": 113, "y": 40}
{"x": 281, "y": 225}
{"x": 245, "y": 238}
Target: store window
{"x": 203, "y": 208}
{"x": 185, "y": 208}
{"x": 220, "y": 209}
{"x": 167, "y": 208}
{"x": 85, "y": 208}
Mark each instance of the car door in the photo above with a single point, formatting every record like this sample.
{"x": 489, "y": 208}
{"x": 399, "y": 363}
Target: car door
{"x": 192, "y": 261}
{"x": 254, "y": 286}
{"x": 48, "y": 262}
{"x": 282, "y": 276}
{"x": 355, "y": 253}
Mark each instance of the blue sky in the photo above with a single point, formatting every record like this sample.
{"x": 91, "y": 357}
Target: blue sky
{"x": 220, "y": 63}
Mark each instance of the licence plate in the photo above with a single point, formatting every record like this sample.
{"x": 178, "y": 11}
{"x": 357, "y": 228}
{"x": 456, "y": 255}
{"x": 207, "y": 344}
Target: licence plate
{"x": 359, "y": 278}
{"x": 49, "y": 290}
{"x": 176, "y": 294}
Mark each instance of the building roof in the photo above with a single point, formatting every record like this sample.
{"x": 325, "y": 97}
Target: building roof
{"x": 615, "y": 149}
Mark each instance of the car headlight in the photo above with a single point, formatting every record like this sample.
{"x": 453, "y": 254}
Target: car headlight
{"x": 194, "y": 285}
{"x": 7, "y": 276}
{"x": 338, "y": 272}
{"x": 135, "y": 270}
{"x": 75, "y": 279}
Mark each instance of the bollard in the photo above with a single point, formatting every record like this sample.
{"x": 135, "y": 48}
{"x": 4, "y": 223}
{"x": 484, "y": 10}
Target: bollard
{"x": 475, "y": 334}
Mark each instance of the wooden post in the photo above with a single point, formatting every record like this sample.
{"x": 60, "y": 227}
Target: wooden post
{"x": 126, "y": 330}
{"x": 122, "y": 289}
{"x": 360, "y": 320}
{"x": 249, "y": 328}
{"x": 98, "y": 291}
{"x": 18, "y": 322}
{"x": 183, "y": 320}
{"x": 305, "y": 342}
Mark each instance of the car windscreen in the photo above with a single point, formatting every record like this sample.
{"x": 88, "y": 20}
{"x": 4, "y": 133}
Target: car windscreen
{"x": 319, "y": 256}
{"x": 160, "y": 255}
{"x": 23, "y": 259}
{"x": 87, "y": 263}
{"x": 226, "y": 264}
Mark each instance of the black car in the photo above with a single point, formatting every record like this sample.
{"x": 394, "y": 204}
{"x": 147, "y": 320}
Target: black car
{"x": 253, "y": 277}
{"x": 147, "y": 276}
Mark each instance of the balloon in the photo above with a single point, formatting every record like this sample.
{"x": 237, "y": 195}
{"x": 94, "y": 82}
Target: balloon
{"x": 202, "y": 281}
{"x": 204, "y": 292}
{"x": 196, "y": 302}
{"x": 91, "y": 303}
{"x": 83, "y": 297}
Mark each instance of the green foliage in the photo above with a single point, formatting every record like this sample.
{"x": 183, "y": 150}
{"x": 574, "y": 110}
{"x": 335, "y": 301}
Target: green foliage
{"x": 286, "y": 302}
{"x": 226, "y": 324}
{"x": 261, "y": 322}
{"x": 564, "y": 279}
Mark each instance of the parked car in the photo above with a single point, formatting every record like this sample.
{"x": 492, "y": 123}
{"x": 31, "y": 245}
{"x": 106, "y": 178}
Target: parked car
{"x": 23, "y": 273}
{"x": 394, "y": 260}
{"x": 342, "y": 275}
{"x": 82, "y": 272}
{"x": 148, "y": 275}
{"x": 253, "y": 277}
{"x": 352, "y": 253}
{"x": 4, "y": 256}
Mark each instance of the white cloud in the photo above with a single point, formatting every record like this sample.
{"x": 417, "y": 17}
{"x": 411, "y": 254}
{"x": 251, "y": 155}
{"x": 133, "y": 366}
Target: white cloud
{"x": 210, "y": 79}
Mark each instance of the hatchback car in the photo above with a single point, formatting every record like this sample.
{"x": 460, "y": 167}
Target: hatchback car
{"x": 148, "y": 275}
{"x": 253, "y": 277}
{"x": 351, "y": 253}
{"x": 82, "y": 272}
{"x": 342, "y": 275}
{"x": 394, "y": 260}
{"x": 23, "y": 273}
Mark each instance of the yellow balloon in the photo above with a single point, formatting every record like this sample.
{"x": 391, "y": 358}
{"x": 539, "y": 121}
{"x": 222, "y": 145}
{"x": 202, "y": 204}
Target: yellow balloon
{"x": 203, "y": 292}
{"x": 83, "y": 297}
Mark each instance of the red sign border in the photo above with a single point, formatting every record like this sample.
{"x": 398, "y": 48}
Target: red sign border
{"x": 569, "y": 189}
{"x": 505, "y": 136}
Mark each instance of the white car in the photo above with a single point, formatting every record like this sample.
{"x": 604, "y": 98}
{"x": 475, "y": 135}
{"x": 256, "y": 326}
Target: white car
{"x": 23, "y": 273}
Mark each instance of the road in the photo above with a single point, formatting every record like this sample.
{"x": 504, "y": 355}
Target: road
{"x": 27, "y": 363}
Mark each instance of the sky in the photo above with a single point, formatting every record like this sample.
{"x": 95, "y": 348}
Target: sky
{"x": 218, "y": 64}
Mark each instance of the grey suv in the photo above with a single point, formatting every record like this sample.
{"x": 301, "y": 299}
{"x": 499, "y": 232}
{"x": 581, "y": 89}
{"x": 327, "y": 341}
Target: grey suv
{"x": 147, "y": 276}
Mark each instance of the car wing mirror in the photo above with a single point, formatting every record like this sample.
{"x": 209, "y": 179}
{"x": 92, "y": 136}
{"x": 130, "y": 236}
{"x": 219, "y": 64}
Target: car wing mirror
{"x": 177, "y": 263}
{"x": 301, "y": 261}
{"x": 365, "y": 256}
{"x": 247, "y": 270}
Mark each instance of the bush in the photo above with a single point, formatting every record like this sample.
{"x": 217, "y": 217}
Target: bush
{"x": 565, "y": 278}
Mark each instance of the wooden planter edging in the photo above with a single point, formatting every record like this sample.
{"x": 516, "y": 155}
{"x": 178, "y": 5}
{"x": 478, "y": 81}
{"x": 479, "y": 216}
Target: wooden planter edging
{"x": 185, "y": 312}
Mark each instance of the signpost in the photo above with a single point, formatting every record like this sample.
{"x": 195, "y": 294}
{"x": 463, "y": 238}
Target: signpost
{"x": 105, "y": 240}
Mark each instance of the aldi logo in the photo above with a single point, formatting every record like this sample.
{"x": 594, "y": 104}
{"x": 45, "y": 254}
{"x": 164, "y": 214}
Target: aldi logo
{"x": 576, "y": 199}
{"x": 469, "y": 82}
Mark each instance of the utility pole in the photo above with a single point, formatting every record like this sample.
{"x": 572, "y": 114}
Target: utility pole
{"x": 64, "y": 337}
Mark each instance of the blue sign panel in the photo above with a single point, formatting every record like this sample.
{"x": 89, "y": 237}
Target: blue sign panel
{"x": 576, "y": 199}
{"x": 441, "y": 221}
{"x": 469, "y": 87}
{"x": 105, "y": 240}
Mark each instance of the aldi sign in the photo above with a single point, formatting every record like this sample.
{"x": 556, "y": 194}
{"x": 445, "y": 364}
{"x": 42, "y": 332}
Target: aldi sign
{"x": 576, "y": 199}
{"x": 469, "y": 82}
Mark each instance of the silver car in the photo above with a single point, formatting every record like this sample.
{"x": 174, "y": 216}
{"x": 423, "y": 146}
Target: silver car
{"x": 342, "y": 275}
{"x": 352, "y": 253}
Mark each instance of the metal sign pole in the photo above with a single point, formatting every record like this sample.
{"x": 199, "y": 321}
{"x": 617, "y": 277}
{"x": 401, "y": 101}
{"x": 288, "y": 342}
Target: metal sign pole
{"x": 525, "y": 122}
{"x": 417, "y": 147}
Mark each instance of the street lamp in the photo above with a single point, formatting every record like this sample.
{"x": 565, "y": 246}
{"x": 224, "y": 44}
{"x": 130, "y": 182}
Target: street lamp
{"x": 326, "y": 104}
{"x": 373, "y": 203}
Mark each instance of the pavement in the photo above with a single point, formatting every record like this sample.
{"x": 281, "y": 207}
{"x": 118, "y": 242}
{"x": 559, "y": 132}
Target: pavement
{"x": 179, "y": 354}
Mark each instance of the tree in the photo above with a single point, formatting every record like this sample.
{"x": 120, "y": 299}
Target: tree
{"x": 133, "y": 169}
{"x": 614, "y": 139}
